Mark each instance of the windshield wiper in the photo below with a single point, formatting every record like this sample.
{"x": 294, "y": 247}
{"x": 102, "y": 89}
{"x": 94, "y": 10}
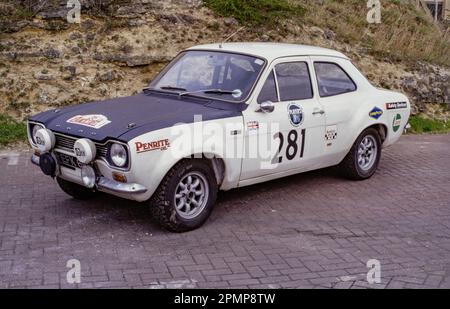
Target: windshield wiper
{"x": 236, "y": 92}
{"x": 172, "y": 88}
{"x": 165, "y": 88}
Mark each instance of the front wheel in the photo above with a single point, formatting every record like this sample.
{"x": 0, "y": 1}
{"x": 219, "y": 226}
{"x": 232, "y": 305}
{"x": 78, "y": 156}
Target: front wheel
{"x": 363, "y": 158}
{"x": 186, "y": 196}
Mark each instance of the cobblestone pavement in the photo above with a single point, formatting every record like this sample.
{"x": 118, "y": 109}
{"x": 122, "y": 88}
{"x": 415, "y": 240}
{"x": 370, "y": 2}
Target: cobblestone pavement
{"x": 312, "y": 230}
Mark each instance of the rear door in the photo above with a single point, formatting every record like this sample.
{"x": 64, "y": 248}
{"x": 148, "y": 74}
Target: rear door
{"x": 338, "y": 95}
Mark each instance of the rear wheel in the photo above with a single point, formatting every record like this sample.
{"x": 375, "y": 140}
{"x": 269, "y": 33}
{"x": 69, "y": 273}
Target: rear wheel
{"x": 186, "y": 196}
{"x": 76, "y": 191}
{"x": 363, "y": 158}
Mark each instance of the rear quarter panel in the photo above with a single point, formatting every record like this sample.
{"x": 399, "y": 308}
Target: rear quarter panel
{"x": 393, "y": 120}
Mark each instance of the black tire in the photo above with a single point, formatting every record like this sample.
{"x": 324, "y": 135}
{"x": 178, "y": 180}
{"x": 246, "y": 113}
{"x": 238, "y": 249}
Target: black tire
{"x": 162, "y": 203}
{"x": 350, "y": 168}
{"x": 74, "y": 190}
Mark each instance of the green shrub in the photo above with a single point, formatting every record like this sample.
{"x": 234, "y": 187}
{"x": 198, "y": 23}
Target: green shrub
{"x": 420, "y": 124}
{"x": 11, "y": 130}
{"x": 256, "y": 12}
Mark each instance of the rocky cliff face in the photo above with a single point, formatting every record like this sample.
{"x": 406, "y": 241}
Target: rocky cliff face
{"x": 120, "y": 45}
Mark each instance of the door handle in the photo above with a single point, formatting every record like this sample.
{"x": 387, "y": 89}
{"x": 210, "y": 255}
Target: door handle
{"x": 318, "y": 112}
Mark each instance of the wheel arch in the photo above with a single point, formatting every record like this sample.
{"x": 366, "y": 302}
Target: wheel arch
{"x": 381, "y": 128}
{"x": 217, "y": 164}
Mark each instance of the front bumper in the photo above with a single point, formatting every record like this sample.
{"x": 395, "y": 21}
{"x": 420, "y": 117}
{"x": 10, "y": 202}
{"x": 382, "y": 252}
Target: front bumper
{"x": 105, "y": 184}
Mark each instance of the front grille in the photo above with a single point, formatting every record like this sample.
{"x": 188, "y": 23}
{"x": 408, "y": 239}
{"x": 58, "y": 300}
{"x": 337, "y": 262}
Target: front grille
{"x": 102, "y": 151}
{"x": 66, "y": 143}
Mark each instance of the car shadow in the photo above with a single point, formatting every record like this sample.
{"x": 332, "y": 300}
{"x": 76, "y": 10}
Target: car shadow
{"x": 122, "y": 210}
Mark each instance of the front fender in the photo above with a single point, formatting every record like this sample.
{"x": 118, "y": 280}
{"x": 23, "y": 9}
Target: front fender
{"x": 153, "y": 154}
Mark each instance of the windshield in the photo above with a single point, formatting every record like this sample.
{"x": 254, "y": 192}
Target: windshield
{"x": 218, "y": 75}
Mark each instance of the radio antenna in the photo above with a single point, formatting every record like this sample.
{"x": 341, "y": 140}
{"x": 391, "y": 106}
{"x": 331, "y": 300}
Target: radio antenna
{"x": 232, "y": 35}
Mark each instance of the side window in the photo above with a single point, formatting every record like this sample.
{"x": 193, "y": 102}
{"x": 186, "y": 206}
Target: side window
{"x": 269, "y": 90}
{"x": 294, "y": 82}
{"x": 332, "y": 79}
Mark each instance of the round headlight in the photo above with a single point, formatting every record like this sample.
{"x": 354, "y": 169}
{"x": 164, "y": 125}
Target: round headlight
{"x": 118, "y": 154}
{"x": 88, "y": 176}
{"x": 35, "y": 128}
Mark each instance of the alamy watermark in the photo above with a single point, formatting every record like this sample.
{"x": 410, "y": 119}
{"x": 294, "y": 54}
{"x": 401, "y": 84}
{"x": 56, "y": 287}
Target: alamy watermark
{"x": 74, "y": 274}
{"x": 374, "y": 273}
{"x": 74, "y": 14}
{"x": 374, "y": 13}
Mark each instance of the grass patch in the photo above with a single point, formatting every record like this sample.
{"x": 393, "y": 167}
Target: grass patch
{"x": 11, "y": 130}
{"x": 420, "y": 124}
{"x": 406, "y": 32}
{"x": 256, "y": 12}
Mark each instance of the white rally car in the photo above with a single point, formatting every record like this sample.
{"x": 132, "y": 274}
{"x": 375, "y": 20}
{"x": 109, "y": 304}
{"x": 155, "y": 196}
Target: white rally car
{"x": 219, "y": 117}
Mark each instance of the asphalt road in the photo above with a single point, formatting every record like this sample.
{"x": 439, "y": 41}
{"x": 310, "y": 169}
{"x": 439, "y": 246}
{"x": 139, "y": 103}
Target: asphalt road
{"x": 314, "y": 230}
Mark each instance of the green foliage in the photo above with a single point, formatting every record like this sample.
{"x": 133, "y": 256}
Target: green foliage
{"x": 420, "y": 124}
{"x": 11, "y": 130}
{"x": 406, "y": 33}
{"x": 256, "y": 12}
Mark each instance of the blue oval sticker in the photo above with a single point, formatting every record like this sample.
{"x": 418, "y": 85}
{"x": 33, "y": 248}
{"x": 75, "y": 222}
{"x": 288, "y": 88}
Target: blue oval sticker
{"x": 295, "y": 114}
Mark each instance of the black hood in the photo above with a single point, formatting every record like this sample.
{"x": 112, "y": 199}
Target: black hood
{"x": 132, "y": 116}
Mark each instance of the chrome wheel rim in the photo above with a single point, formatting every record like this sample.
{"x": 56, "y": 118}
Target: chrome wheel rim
{"x": 367, "y": 152}
{"x": 191, "y": 195}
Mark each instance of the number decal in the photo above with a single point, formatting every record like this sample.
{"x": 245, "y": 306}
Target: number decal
{"x": 292, "y": 144}
{"x": 278, "y": 158}
{"x": 302, "y": 148}
{"x": 292, "y": 147}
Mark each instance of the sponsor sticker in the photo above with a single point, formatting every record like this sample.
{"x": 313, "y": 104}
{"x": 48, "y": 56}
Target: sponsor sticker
{"x": 39, "y": 141}
{"x": 151, "y": 146}
{"x": 396, "y": 105}
{"x": 252, "y": 125}
{"x": 91, "y": 121}
{"x": 79, "y": 152}
{"x": 375, "y": 113}
{"x": 259, "y": 62}
{"x": 397, "y": 122}
{"x": 296, "y": 115}
{"x": 331, "y": 133}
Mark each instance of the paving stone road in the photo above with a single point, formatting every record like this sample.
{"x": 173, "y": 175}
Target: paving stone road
{"x": 313, "y": 230}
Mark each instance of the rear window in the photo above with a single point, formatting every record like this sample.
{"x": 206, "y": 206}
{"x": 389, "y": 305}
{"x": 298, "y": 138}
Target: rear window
{"x": 332, "y": 79}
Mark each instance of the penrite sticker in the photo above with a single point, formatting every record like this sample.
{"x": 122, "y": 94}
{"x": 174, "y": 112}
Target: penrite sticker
{"x": 375, "y": 113}
{"x": 396, "y": 105}
{"x": 397, "y": 122}
{"x": 295, "y": 114}
{"x": 151, "y": 146}
{"x": 92, "y": 121}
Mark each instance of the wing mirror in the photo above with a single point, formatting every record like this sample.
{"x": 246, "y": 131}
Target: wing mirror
{"x": 266, "y": 107}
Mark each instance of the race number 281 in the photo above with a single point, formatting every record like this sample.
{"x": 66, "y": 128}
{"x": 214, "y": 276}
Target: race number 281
{"x": 294, "y": 146}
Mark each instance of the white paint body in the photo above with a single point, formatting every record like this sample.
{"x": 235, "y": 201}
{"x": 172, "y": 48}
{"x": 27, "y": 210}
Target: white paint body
{"x": 347, "y": 114}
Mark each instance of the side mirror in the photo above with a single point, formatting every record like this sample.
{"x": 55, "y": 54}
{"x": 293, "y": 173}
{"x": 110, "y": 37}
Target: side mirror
{"x": 266, "y": 107}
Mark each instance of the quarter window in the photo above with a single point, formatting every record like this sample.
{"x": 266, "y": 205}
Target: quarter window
{"x": 269, "y": 90}
{"x": 294, "y": 81}
{"x": 332, "y": 79}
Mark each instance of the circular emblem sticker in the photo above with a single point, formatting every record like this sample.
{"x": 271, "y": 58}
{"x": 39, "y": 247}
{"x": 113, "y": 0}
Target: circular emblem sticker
{"x": 295, "y": 114}
{"x": 396, "y": 122}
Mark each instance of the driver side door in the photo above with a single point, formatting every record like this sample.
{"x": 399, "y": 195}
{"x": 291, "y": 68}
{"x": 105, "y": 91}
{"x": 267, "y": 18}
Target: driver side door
{"x": 289, "y": 138}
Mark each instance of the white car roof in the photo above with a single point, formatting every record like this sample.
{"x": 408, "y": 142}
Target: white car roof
{"x": 271, "y": 51}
